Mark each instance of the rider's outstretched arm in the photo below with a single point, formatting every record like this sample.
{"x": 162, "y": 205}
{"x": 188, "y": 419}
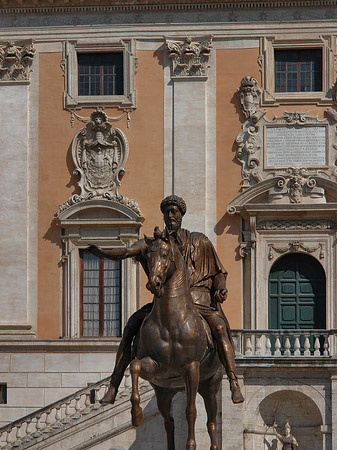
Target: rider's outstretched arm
{"x": 119, "y": 252}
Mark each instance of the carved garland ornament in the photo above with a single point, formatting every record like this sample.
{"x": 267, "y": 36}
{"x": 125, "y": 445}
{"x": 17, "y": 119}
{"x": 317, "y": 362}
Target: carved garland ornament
{"x": 295, "y": 246}
{"x": 296, "y": 225}
{"x": 99, "y": 153}
{"x": 189, "y": 58}
{"x": 15, "y": 62}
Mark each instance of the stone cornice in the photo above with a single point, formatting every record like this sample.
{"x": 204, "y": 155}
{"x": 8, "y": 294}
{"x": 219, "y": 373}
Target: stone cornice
{"x": 61, "y": 6}
{"x": 58, "y": 345}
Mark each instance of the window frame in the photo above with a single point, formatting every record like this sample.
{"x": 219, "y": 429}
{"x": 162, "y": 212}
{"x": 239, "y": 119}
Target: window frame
{"x": 101, "y": 298}
{"x": 267, "y": 63}
{"x": 71, "y": 49}
{"x": 106, "y": 224}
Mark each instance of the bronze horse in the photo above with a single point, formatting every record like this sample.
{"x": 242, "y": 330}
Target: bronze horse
{"x": 172, "y": 350}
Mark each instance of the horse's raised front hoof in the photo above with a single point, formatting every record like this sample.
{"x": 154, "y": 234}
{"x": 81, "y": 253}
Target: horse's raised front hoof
{"x": 110, "y": 396}
{"x": 214, "y": 447}
{"x": 137, "y": 416}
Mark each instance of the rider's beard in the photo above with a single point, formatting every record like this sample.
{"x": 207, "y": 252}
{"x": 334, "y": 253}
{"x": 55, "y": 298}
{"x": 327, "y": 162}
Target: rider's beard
{"x": 173, "y": 225}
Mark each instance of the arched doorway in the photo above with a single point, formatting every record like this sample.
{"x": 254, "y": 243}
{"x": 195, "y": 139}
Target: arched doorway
{"x": 297, "y": 293}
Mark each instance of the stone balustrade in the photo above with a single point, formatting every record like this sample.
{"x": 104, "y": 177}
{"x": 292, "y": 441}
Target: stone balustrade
{"x": 58, "y": 416}
{"x": 285, "y": 343}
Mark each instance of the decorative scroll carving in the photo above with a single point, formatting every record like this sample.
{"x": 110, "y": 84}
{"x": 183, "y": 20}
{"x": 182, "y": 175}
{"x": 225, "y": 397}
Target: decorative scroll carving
{"x": 15, "y": 62}
{"x": 126, "y": 113}
{"x": 296, "y": 225}
{"x": 249, "y": 95}
{"x": 295, "y": 182}
{"x": 295, "y": 118}
{"x": 246, "y": 248}
{"x": 99, "y": 153}
{"x": 74, "y": 199}
{"x": 189, "y": 59}
{"x": 295, "y": 246}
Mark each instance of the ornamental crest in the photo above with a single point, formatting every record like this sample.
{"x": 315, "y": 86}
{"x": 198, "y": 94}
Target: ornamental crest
{"x": 249, "y": 95}
{"x": 15, "y": 62}
{"x": 189, "y": 58}
{"x": 99, "y": 153}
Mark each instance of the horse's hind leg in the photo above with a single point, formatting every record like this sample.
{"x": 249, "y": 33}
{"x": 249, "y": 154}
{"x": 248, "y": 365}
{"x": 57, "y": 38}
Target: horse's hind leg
{"x": 209, "y": 391}
{"x": 191, "y": 383}
{"x": 164, "y": 401}
{"x": 146, "y": 368}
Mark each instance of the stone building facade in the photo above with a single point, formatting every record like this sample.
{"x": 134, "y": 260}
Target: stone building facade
{"x": 107, "y": 107}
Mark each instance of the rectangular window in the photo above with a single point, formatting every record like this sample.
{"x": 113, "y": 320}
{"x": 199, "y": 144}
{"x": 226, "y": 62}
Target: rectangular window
{"x": 3, "y": 393}
{"x": 298, "y": 70}
{"x": 100, "y": 296}
{"x": 100, "y": 74}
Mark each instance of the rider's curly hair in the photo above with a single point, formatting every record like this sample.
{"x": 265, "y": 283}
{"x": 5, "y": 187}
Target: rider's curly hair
{"x": 173, "y": 200}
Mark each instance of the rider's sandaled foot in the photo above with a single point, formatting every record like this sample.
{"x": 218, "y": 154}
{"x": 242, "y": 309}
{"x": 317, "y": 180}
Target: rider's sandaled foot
{"x": 237, "y": 397}
{"x": 110, "y": 395}
{"x": 137, "y": 416}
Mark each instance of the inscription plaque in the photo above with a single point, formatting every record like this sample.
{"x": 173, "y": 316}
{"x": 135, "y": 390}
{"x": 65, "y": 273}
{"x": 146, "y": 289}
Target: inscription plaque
{"x": 300, "y": 146}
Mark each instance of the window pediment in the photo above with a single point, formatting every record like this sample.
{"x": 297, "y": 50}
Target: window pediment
{"x": 98, "y": 211}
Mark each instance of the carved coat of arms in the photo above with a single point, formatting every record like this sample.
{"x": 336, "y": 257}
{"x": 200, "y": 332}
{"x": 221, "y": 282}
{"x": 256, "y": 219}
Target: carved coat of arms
{"x": 99, "y": 152}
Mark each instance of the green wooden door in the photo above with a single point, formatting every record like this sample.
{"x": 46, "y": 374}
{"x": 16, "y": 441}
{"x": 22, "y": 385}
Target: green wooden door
{"x": 297, "y": 293}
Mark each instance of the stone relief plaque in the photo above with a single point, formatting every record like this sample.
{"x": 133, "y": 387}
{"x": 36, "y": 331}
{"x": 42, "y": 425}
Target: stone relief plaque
{"x": 296, "y": 146}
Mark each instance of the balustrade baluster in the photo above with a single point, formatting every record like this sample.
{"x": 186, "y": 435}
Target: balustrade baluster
{"x": 127, "y": 384}
{"x": 297, "y": 347}
{"x": 307, "y": 346}
{"x": 9, "y": 439}
{"x": 77, "y": 414}
{"x": 97, "y": 404}
{"x": 67, "y": 413}
{"x": 268, "y": 346}
{"x": 249, "y": 347}
{"x": 58, "y": 417}
{"x": 258, "y": 345}
{"x": 287, "y": 346}
{"x": 47, "y": 427}
{"x": 317, "y": 347}
{"x": 87, "y": 404}
{"x": 326, "y": 346}
{"x": 18, "y": 436}
{"x": 38, "y": 427}
{"x": 28, "y": 431}
{"x": 277, "y": 346}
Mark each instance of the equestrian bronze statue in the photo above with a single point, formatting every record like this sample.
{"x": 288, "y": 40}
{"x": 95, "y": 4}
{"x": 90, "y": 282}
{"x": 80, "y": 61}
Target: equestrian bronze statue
{"x": 188, "y": 281}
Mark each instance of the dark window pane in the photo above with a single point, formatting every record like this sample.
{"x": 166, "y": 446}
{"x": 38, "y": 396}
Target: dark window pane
{"x": 301, "y": 70}
{"x": 101, "y": 296}
{"x": 100, "y": 74}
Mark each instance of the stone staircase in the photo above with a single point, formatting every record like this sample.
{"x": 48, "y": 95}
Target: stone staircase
{"x": 79, "y": 421}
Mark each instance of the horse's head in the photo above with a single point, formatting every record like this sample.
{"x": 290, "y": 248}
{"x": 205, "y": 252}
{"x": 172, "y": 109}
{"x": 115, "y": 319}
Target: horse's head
{"x": 160, "y": 260}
